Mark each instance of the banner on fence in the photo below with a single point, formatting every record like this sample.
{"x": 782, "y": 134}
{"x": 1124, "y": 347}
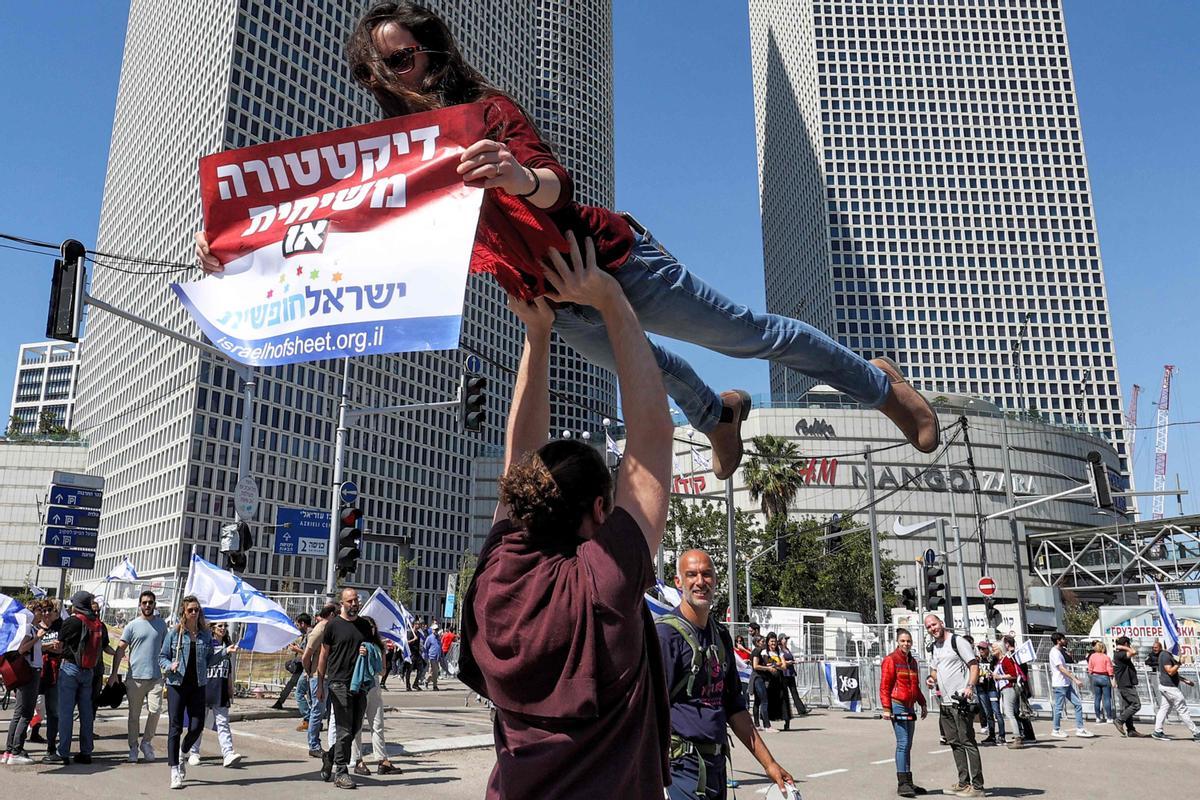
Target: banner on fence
{"x": 1143, "y": 624}
{"x": 842, "y": 680}
{"x": 347, "y": 243}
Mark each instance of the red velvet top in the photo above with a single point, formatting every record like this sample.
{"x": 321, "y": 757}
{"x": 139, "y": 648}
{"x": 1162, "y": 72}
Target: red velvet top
{"x": 514, "y": 234}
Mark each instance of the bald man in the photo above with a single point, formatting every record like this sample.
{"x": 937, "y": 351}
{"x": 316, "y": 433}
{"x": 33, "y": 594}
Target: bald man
{"x": 705, "y": 692}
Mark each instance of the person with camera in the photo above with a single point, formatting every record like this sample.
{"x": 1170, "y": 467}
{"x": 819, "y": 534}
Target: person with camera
{"x": 954, "y": 673}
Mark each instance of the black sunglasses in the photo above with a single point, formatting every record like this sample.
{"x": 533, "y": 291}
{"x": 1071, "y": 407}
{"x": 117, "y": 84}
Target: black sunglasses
{"x": 399, "y": 62}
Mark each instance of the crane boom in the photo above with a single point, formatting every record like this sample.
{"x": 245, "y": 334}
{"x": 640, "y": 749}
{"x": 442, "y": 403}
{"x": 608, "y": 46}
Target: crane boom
{"x": 1160, "y": 441}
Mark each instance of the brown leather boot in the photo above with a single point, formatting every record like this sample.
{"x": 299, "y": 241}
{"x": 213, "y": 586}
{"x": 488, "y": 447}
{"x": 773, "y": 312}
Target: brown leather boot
{"x": 726, "y": 438}
{"x": 911, "y": 412}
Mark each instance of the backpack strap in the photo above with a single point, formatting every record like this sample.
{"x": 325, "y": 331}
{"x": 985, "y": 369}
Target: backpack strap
{"x": 699, "y": 654}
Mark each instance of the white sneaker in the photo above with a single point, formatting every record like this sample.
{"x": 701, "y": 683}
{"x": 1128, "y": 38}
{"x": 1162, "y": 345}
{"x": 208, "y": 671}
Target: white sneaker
{"x": 1058, "y": 734}
{"x": 133, "y": 755}
{"x": 194, "y": 759}
{"x": 231, "y": 759}
{"x": 1084, "y": 733}
{"x": 19, "y": 759}
{"x": 176, "y": 778}
{"x": 147, "y": 751}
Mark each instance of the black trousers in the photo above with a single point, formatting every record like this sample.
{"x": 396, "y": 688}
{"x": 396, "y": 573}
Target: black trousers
{"x": 959, "y": 729}
{"x": 18, "y": 724}
{"x": 50, "y": 696}
{"x": 293, "y": 679}
{"x": 348, "y": 710}
{"x": 179, "y": 700}
{"x": 1130, "y": 705}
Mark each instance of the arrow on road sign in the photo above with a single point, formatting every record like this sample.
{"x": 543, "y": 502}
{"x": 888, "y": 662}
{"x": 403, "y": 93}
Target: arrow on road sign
{"x": 65, "y": 516}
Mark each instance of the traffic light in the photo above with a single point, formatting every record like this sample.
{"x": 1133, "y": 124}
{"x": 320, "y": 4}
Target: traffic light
{"x": 349, "y": 539}
{"x": 471, "y": 401}
{"x": 991, "y": 613}
{"x": 1098, "y": 478}
{"x": 782, "y": 548}
{"x": 66, "y": 293}
{"x": 909, "y": 599}
{"x": 937, "y": 593}
{"x": 236, "y": 541}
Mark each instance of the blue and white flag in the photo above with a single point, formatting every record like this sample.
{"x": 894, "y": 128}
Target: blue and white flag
{"x": 663, "y": 599}
{"x": 15, "y": 619}
{"x": 391, "y": 618}
{"x": 225, "y": 597}
{"x": 699, "y": 459}
{"x": 1025, "y": 653}
{"x": 124, "y": 571}
{"x": 1169, "y": 622}
{"x": 610, "y": 444}
{"x": 38, "y": 592}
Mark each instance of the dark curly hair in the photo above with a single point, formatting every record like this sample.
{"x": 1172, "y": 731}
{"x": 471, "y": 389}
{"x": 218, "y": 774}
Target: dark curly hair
{"x": 449, "y": 81}
{"x": 552, "y": 490}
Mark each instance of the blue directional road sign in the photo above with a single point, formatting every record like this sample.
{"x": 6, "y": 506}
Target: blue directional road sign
{"x": 301, "y": 531}
{"x": 74, "y": 497}
{"x": 349, "y": 492}
{"x": 68, "y": 558}
{"x": 70, "y": 537}
{"x": 930, "y": 557}
{"x": 67, "y": 517}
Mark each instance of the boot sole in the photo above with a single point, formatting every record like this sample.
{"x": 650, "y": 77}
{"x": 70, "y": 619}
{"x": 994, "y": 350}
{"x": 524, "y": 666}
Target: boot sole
{"x": 937, "y": 423}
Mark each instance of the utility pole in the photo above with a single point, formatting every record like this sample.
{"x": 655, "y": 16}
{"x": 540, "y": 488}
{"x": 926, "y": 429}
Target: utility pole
{"x": 875, "y": 567}
{"x": 339, "y": 450}
{"x": 962, "y": 570}
{"x": 731, "y": 550}
{"x": 1013, "y": 532}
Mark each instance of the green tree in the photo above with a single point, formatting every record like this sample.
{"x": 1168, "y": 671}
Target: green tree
{"x": 398, "y": 588}
{"x": 13, "y": 431}
{"x": 771, "y": 475}
{"x": 1078, "y": 618}
{"x": 702, "y": 525}
{"x": 466, "y": 571}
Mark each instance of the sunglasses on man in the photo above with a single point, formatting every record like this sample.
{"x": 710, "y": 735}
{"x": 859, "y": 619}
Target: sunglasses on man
{"x": 399, "y": 62}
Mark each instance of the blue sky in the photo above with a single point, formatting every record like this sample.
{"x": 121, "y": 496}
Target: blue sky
{"x": 686, "y": 166}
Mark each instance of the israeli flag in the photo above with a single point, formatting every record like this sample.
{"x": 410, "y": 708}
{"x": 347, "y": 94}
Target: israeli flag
{"x": 1025, "y": 653}
{"x": 15, "y": 620}
{"x": 663, "y": 599}
{"x": 225, "y": 597}
{"x": 391, "y": 618}
{"x": 38, "y": 592}
{"x": 610, "y": 444}
{"x": 123, "y": 571}
{"x": 1169, "y": 622}
{"x": 700, "y": 460}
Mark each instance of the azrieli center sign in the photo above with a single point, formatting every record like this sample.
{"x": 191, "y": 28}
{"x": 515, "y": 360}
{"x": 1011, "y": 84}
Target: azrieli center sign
{"x": 824, "y": 472}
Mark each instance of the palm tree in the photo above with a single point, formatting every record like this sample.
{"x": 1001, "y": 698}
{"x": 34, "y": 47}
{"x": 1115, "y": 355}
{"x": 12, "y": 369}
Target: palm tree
{"x": 771, "y": 474}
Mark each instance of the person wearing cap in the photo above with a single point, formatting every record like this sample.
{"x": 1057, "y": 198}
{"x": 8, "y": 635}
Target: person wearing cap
{"x": 82, "y": 637}
{"x": 431, "y": 648}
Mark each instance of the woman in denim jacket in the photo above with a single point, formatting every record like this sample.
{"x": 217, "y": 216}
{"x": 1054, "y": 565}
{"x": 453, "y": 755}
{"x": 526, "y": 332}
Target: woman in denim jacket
{"x": 184, "y": 662}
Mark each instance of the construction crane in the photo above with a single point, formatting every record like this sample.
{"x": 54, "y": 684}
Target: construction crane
{"x": 1160, "y": 442}
{"x": 1131, "y": 439}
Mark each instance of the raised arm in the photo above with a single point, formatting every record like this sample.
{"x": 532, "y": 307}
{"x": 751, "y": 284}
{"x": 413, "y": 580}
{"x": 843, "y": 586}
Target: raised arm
{"x": 642, "y": 484}
{"x": 529, "y": 417}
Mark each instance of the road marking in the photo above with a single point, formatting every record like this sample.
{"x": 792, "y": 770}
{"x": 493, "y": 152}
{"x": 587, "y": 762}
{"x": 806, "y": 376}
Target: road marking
{"x": 826, "y": 772}
{"x": 411, "y": 748}
{"x": 884, "y": 761}
{"x": 939, "y": 752}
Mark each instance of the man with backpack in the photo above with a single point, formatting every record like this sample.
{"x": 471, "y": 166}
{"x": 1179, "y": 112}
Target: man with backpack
{"x": 955, "y": 672}
{"x": 82, "y": 638}
{"x": 705, "y": 691}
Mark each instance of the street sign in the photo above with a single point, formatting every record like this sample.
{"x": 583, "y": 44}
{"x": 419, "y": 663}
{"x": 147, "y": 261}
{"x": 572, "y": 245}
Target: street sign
{"x": 68, "y": 517}
{"x": 78, "y": 480}
{"x": 349, "y": 492}
{"x": 67, "y": 558}
{"x": 75, "y": 497}
{"x": 987, "y": 586}
{"x": 70, "y": 537}
{"x": 472, "y": 363}
{"x": 245, "y": 498}
{"x": 930, "y": 557}
{"x": 301, "y": 531}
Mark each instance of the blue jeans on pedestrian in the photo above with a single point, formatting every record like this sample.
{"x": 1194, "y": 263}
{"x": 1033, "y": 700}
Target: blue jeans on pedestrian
{"x": 762, "y": 714}
{"x": 302, "y": 692}
{"x": 1102, "y": 696}
{"x": 904, "y": 724}
{"x": 316, "y": 712}
{"x": 74, "y": 691}
{"x": 672, "y": 302}
{"x": 1062, "y": 693}
{"x": 990, "y": 703}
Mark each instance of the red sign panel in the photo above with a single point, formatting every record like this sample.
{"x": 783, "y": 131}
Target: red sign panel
{"x": 987, "y": 586}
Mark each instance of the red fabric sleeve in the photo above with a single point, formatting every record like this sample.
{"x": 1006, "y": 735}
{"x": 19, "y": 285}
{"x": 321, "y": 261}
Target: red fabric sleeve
{"x": 505, "y": 123}
{"x": 887, "y": 678}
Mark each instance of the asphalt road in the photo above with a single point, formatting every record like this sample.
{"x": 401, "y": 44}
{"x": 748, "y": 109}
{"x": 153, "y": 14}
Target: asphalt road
{"x": 832, "y": 754}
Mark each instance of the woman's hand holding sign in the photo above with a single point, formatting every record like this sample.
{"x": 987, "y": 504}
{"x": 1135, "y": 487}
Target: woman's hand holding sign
{"x": 208, "y": 262}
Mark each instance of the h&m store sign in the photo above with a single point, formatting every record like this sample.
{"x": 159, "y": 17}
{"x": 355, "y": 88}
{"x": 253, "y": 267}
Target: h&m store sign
{"x": 824, "y": 472}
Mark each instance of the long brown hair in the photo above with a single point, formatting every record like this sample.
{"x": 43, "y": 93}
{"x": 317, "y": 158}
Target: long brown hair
{"x": 551, "y": 491}
{"x": 201, "y": 624}
{"x": 450, "y": 80}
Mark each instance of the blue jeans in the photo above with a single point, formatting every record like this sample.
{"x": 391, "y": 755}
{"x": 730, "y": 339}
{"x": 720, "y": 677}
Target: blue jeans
{"x": 670, "y": 301}
{"x": 762, "y": 714}
{"x": 74, "y": 691}
{"x": 1067, "y": 692}
{"x": 990, "y": 703}
{"x": 1102, "y": 696}
{"x": 904, "y": 724}
{"x": 302, "y": 692}
{"x": 316, "y": 711}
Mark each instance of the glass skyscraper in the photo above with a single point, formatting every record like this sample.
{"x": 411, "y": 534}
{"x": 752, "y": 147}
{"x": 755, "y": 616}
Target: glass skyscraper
{"x": 164, "y": 419}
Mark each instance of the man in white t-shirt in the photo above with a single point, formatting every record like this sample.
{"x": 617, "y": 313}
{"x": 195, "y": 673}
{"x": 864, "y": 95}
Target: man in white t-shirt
{"x": 1065, "y": 686}
{"x": 954, "y": 670}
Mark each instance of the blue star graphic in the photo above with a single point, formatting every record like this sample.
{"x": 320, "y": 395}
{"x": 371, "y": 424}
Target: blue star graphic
{"x": 245, "y": 593}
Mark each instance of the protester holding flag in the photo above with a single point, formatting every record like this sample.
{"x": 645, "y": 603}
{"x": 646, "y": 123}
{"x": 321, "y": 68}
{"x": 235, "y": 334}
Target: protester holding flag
{"x": 218, "y": 695}
{"x": 82, "y": 637}
{"x": 405, "y": 55}
{"x": 23, "y": 633}
{"x": 555, "y": 630}
{"x": 342, "y": 642}
{"x": 1170, "y": 696}
{"x": 184, "y": 661}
